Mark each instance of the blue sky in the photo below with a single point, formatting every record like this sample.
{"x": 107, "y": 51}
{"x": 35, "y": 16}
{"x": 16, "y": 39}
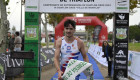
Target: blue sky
{"x": 15, "y": 18}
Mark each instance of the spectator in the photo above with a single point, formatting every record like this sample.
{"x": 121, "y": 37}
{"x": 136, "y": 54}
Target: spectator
{"x": 17, "y": 42}
{"x": 107, "y": 49}
{"x": 22, "y": 48}
{"x": 11, "y": 42}
{"x": 8, "y": 39}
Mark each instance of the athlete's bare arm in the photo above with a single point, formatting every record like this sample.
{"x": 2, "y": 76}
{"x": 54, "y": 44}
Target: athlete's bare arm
{"x": 57, "y": 56}
{"x": 82, "y": 50}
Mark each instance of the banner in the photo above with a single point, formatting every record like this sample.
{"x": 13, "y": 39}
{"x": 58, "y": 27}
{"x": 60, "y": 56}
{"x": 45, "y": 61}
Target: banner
{"x": 31, "y": 32}
{"x": 8, "y": 65}
{"x": 32, "y": 66}
{"x": 121, "y": 23}
{"x": 75, "y": 67}
{"x": 2, "y": 69}
{"x": 133, "y": 59}
{"x": 31, "y": 5}
{"x": 96, "y": 52}
{"x": 77, "y": 6}
{"x": 47, "y": 56}
{"x": 122, "y": 6}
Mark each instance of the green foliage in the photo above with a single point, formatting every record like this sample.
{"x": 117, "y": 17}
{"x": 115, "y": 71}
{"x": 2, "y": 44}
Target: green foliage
{"x": 91, "y": 28}
{"x": 105, "y": 17}
{"x": 50, "y": 43}
{"x": 57, "y": 17}
{"x": 134, "y": 32}
{"x": 8, "y": 12}
{"x": 102, "y": 17}
{"x": 133, "y": 4}
{"x": 110, "y": 35}
{"x": 6, "y": 1}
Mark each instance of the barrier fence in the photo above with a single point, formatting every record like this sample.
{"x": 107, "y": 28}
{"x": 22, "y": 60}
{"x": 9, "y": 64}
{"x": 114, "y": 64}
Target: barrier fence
{"x": 10, "y": 67}
{"x": 133, "y": 60}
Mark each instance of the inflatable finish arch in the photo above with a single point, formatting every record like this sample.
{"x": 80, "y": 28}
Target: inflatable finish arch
{"x": 103, "y": 35}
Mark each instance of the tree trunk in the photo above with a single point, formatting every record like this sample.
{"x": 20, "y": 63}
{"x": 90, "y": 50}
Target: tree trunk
{"x": 46, "y": 32}
{"x": 4, "y": 26}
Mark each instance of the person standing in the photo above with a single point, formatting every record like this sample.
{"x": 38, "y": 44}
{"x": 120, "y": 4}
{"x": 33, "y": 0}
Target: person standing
{"x": 11, "y": 42}
{"x": 17, "y": 42}
{"x": 8, "y": 39}
{"x": 107, "y": 49}
{"x": 69, "y": 47}
{"x": 22, "y": 48}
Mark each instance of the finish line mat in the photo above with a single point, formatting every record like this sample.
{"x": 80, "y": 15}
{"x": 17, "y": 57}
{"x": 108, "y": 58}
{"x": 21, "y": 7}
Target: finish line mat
{"x": 97, "y": 74}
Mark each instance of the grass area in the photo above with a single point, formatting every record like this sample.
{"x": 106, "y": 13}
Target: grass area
{"x": 131, "y": 46}
{"x": 50, "y": 43}
{"x": 134, "y": 47}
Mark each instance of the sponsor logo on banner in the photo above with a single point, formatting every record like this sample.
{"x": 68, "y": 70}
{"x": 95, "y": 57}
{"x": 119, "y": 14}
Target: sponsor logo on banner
{"x": 77, "y": 6}
{"x": 84, "y": 20}
{"x": 31, "y": 32}
{"x": 31, "y": 5}
{"x": 121, "y": 33}
{"x": 122, "y": 19}
{"x": 120, "y": 74}
{"x": 120, "y": 54}
{"x": 121, "y": 16}
{"x": 31, "y": 15}
{"x": 120, "y": 67}
{"x": 31, "y": 18}
{"x": 120, "y": 62}
{"x": 122, "y": 6}
{"x": 122, "y": 45}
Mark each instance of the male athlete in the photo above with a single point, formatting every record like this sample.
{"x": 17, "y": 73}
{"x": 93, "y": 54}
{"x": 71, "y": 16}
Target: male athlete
{"x": 69, "y": 47}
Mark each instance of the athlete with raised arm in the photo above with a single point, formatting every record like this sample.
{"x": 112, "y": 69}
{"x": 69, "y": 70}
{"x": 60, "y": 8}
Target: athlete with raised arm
{"x": 69, "y": 47}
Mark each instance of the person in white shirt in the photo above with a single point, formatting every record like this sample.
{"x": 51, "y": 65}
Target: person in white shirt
{"x": 69, "y": 47}
{"x": 17, "y": 42}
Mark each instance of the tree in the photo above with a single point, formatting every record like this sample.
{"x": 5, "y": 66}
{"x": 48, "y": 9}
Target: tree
{"x": 4, "y": 25}
{"x": 106, "y": 17}
{"x": 110, "y": 36}
{"x": 134, "y": 31}
{"x": 54, "y": 19}
{"x": 44, "y": 22}
{"x": 89, "y": 31}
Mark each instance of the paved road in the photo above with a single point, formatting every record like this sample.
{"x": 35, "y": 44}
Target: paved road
{"x": 49, "y": 71}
